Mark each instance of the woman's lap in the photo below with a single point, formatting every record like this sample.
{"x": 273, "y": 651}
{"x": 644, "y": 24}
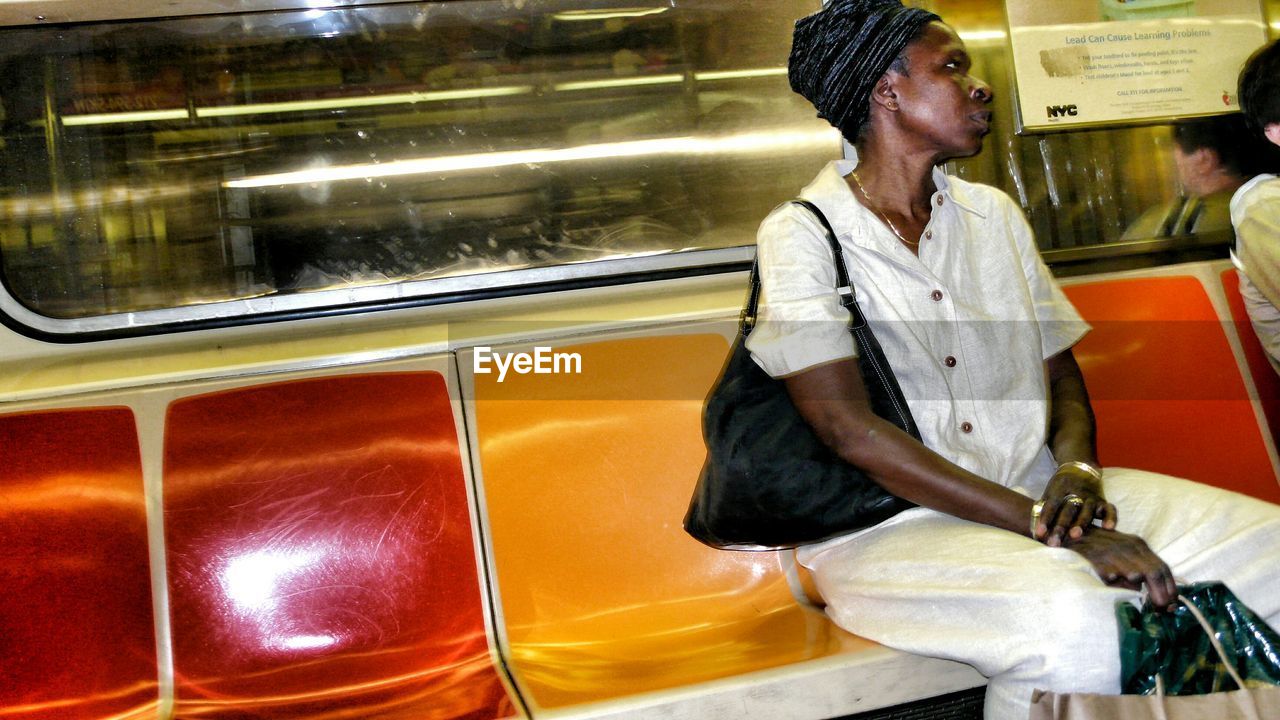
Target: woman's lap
{"x": 935, "y": 585}
{"x": 1204, "y": 533}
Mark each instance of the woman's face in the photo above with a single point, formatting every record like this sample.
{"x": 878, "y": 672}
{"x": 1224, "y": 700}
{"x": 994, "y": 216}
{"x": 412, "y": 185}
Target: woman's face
{"x": 938, "y": 99}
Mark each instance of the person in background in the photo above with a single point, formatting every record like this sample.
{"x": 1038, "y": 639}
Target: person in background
{"x": 1214, "y": 157}
{"x": 1255, "y": 207}
{"x": 1022, "y": 544}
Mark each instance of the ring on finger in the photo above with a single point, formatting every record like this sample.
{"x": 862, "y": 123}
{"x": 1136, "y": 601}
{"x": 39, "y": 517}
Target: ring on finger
{"x": 1075, "y": 500}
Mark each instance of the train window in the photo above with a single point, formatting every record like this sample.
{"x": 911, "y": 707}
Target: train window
{"x": 162, "y": 171}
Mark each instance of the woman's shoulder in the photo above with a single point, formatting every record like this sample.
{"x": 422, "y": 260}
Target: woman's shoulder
{"x": 793, "y": 221}
{"x": 986, "y": 199}
{"x": 1255, "y": 209}
{"x": 787, "y": 220}
{"x": 1260, "y": 188}
{"x": 994, "y": 214}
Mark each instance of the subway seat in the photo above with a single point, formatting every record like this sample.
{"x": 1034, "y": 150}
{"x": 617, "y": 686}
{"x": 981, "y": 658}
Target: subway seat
{"x": 312, "y": 549}
{"x": 1266, "y": 382}
{"x": 606, "y": 607}
{"x": 321, "y": 556}
{"x": 1167, "y": 390}
{"x": 77, "y": 637}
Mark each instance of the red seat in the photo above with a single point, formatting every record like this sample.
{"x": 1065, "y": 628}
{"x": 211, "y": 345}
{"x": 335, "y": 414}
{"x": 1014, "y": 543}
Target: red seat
{"x": 1265, "y": 379}
{"x": 77, "y": 632}
{"x": 1165, "y": 385}
{"x": 321, "y": 554}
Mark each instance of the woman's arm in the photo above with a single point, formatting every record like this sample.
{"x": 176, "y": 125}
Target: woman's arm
{"x": 1071, "y": 423}
{"x": 833, "y": 400}
{"x": 1072, "y": 440}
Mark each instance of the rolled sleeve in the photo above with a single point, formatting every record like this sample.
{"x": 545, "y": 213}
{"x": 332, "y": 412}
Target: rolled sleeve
{"x": 801, "y": 323}
{"x": 1061, "y": 325}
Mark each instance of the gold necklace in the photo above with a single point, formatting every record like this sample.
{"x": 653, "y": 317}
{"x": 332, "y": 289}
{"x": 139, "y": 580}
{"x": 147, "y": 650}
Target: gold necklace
{"x": 871, "y": 204}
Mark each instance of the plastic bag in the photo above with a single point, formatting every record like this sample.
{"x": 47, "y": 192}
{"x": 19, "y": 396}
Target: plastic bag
{"x": 1171, "y": 667}
{"x": 1172, "y": 645}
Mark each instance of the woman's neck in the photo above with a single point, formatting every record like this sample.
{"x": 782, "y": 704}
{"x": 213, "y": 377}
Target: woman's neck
{"x": 900, "y": 184}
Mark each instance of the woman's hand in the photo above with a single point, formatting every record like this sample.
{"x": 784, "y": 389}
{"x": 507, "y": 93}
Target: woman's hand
{"x": 1125, "y": 561}
{"x": 1072, "y": 501}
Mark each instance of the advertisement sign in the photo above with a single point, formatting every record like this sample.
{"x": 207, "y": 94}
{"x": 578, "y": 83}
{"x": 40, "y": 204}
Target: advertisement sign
{"x": 1103, "y": 62}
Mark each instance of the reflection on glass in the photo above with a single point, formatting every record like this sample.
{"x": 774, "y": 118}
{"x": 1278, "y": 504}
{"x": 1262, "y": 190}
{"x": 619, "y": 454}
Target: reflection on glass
{"x": 1082, "y": 190}
{"x": 168, "y": 163}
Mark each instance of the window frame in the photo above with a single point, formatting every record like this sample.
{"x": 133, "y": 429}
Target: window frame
{"x": 21, "y": 317}
{"x": 372, "y": 298}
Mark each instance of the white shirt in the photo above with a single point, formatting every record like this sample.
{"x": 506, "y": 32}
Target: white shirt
{"x": 1255, "y": 214}
{"x": 966, "y": 326}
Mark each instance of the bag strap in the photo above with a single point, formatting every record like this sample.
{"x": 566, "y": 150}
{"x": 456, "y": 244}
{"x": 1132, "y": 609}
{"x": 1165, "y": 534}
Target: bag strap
{"x": 877, "y": 367}
{"x": 848, "y": 295}
{"x": 1228, "y": 661}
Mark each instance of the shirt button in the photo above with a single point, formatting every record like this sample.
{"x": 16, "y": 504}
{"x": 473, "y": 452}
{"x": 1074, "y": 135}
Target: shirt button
{"x": 928, "y": 234}
{"x": 939, "y": 199}
{"x": 936, "y": 295}
{"x": 966, "y": 427}
{"x": 950, "y": 361}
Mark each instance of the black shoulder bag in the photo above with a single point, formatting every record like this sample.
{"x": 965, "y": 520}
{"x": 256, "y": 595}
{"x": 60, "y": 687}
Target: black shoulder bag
{"x": 769, "y": 482}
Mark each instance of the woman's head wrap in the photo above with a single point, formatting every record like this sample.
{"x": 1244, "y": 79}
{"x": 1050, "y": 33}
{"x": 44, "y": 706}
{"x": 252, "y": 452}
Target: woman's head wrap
{"x": 839, "y": 52}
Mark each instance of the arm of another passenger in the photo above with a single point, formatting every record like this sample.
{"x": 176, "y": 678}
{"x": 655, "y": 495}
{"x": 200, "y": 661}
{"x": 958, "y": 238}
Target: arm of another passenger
{"x": 1258, "y": 239}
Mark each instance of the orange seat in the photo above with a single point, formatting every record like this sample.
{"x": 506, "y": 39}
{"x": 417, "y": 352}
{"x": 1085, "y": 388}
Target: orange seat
{"x": 321, "y": 554}
{"x": 1265, "y": 379}
{"x": 586, "y": 478}
{"x": 1165, "y": 385}
{"x": 77, "y": 632}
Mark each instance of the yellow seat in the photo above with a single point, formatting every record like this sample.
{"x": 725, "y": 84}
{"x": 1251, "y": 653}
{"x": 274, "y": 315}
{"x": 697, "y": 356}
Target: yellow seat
{"x": 586, "y": 478}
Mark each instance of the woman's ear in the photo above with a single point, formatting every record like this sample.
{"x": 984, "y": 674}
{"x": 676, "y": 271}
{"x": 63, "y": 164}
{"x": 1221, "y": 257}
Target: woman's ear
{"x": 1272, "y": 131}
{"x": 884, "y": 94}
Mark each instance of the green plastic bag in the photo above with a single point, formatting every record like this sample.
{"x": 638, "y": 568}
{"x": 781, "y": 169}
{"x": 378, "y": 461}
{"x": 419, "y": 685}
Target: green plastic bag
{"x": 1173, "y": 646}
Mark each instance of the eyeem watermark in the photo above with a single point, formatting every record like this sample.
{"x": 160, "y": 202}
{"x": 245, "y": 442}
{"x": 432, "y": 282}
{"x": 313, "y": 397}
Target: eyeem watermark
{"x": 542, "y": 361}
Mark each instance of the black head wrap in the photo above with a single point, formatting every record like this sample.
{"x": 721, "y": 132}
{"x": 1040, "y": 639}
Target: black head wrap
{"x": 839, "y": 52}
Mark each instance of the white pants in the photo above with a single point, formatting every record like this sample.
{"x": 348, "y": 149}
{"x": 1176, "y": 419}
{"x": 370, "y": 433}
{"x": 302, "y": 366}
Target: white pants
{"x": 1029, "y": 616}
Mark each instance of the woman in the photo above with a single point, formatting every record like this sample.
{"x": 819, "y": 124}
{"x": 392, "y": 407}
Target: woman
{"x": 980, "y": 337}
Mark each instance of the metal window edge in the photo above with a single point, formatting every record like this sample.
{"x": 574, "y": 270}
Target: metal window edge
{"x": 22, "y": 13}
{"x": 364, "y": 298}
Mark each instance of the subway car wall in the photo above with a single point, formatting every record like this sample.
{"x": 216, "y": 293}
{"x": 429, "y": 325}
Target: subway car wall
{"x": 179, "y": 162}
{"x": 224, "y": 166}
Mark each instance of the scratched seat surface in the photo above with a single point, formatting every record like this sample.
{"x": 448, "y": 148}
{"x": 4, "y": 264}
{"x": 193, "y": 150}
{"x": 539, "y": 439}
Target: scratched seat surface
{"x": 1165, "y": 386}
{"x": 77, "y": 632}
{"x": 321, "y": 554}
{"x": 586, "y": 478}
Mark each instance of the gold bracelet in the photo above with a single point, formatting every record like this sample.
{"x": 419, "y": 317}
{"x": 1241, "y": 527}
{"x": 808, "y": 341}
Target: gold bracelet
{"x": 1094, "y": 472}
{"x": 1035, "y": 517}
